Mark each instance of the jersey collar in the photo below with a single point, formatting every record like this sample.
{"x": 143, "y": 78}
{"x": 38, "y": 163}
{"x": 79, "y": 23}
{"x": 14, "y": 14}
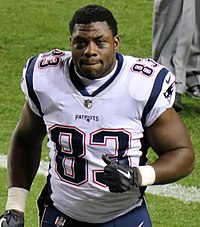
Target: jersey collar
{"x": 80, "y": 86}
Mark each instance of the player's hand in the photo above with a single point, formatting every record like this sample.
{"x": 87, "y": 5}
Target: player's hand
{"x": 120, "y": 178}
{"x": 11, "y": 219}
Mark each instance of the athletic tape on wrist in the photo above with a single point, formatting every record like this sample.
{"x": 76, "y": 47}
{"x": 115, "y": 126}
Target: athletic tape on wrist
{"x": 16, "y": 199}
{"x": 148, "y": 175}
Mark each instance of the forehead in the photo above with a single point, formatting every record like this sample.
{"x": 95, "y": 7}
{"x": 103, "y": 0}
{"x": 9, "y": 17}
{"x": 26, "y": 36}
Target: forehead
{"x": 94, "y": 29}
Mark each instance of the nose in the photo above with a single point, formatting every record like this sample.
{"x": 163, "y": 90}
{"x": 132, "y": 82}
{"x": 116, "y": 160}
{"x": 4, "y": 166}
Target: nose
{"x": 90, "y": 49}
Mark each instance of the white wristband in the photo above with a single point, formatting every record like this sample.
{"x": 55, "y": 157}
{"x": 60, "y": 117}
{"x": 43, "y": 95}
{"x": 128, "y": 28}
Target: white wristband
{"x": 16, "y": 199}
{"x": 148, "y": 175}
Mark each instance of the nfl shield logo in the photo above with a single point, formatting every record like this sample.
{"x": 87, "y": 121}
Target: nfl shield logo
{"x": 88, "y": 103}
{"x": 60, "y": 221}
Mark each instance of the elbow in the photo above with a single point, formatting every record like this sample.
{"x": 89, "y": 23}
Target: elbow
{"x": 191, "y": 166}
{"x": 190, "y": 163}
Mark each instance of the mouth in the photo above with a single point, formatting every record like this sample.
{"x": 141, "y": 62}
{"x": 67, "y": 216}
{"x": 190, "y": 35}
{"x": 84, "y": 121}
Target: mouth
{"x": 90, "y": 69}
{"x": 89, "y": 63}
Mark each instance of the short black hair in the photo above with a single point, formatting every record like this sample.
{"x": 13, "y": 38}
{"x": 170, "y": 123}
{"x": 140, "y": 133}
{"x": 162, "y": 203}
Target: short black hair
{"x": 93, "y": 13}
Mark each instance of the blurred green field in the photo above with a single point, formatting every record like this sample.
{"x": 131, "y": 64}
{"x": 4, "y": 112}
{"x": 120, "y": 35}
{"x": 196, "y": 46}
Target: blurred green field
{"x": 37, "y": 26}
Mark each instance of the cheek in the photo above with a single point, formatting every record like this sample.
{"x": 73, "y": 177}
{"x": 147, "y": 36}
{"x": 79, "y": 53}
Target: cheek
{"x": 75, "y": 57}
{"x": 109, "y": 58}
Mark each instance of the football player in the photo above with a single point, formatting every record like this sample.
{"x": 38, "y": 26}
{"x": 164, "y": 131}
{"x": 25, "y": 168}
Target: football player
{"x": 102, "y": 110}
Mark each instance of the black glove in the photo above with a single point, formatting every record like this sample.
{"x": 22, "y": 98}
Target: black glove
{"x": 11, "y": 219}
{"x": 120, "y": 178}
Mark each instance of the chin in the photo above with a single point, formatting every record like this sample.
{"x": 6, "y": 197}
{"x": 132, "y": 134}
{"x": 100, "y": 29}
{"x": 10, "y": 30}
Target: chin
{"x": 91, "y": 74}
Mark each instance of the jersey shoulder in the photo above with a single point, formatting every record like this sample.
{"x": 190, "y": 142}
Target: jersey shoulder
{"x": 50, "y": 63}
{"x": 148, "y": 74}
{"x": 151, "y": 84}
{"x": 46, "y": 60}
{"x": 52, "y": 58}
{"x": 145, "y": 74}
{"x": 144, "y": 67}
{"x": 43, "y": 72}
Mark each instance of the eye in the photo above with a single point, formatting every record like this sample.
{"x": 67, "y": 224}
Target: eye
{"x": 79, "y": 44}
{"x": 100, "y": 43}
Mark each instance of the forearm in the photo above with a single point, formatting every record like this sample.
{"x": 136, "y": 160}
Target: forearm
{"x": 23, "y": 163}
{"x": 173, "y": 165}
{"x": 21, "y": 169}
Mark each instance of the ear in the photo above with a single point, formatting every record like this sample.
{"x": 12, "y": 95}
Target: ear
{"x": 116, "y": 42}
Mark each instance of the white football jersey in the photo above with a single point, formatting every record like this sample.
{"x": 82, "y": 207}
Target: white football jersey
{"x": 82, "y": 127}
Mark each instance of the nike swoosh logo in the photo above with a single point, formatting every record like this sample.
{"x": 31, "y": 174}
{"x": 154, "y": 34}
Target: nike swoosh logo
{"x": 168, "y": 80}
{"x": 127, "y": 175}
{"x": 140, "y": 225}
{"x": 2, "y": 220}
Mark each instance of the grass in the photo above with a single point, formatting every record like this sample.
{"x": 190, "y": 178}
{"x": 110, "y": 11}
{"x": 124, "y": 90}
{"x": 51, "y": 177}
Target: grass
{"x": 28, "y": 29}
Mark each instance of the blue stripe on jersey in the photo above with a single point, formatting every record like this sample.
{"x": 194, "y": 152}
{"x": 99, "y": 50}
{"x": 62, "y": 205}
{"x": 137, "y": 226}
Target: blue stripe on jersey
{"x": 81, "y": 88}
{"x": 76, "y": 81}
{"x": 29, "y": 82}
{"x": 157, "y": 87}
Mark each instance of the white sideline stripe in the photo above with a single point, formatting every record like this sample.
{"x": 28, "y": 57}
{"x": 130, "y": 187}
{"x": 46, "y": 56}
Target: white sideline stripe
{"x": 42, "y": 169}
{"x": 185, "y": 194}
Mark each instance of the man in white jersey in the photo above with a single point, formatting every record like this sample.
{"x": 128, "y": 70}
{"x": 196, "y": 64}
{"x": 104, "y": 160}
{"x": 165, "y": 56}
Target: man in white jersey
{"x": 102, "y": 111}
